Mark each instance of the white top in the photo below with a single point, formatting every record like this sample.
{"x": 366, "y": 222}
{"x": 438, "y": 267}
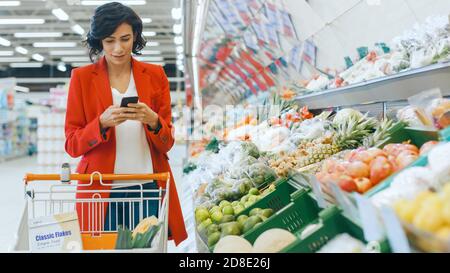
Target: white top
{"x": 132, "y": 149}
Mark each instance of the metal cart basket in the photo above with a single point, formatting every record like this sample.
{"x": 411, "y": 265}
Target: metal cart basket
{"x": 50, "y": 198}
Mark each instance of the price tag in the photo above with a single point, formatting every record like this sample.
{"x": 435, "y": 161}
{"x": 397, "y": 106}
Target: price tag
{"x": 344, "y": 202}
{"x": 373, "y": 229}
{"x": 397, "y": 237}
{"x": 318, "y": 192}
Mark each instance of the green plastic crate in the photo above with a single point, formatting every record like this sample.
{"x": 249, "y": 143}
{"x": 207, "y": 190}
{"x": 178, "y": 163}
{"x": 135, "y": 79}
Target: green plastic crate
{"x": 275, "y": 200}
{"x": 332, "y": 223}
{"x": 283, "y": 194}
{"x": 445, "y": 134}
{"x": 300, "y": 212}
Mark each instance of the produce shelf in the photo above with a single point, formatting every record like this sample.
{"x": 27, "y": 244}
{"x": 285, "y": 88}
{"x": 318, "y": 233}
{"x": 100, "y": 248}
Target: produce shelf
{"x": 331, "y": 223}
{"x": 390, "y": 88}
{"x": 299, "y": 213}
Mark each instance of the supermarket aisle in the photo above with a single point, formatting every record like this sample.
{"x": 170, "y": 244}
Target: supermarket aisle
{"x": 12, "y": 200}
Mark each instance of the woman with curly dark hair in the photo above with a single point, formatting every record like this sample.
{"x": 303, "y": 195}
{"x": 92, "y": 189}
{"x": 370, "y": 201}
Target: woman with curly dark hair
{"x": 114, "y": 139}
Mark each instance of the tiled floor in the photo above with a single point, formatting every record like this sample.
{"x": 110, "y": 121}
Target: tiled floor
{"x": 12, "y": 199}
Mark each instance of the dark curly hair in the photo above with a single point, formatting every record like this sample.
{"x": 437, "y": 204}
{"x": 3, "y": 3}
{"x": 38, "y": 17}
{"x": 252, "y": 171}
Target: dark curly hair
{"x": 105, "y": 21}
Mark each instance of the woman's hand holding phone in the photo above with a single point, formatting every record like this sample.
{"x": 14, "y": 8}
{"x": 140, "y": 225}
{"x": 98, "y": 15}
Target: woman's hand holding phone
{"x": 141, "y": 112}
{"x": 113, "y": 116}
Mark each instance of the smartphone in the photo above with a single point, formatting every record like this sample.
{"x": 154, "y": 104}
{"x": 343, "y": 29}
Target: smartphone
{"x": 126, "y": 100}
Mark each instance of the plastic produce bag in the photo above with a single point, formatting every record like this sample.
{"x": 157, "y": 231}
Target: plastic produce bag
{"x": 261, "y": 174}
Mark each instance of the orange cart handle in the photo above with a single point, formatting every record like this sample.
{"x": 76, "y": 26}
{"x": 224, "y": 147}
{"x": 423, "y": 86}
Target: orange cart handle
{"x": 105, "y": 177}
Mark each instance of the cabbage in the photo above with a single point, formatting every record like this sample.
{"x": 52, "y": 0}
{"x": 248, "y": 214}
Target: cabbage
{"x": 346, "y": 114}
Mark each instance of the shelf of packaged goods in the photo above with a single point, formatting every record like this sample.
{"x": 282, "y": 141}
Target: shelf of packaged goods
{"x": 391, "y": 88}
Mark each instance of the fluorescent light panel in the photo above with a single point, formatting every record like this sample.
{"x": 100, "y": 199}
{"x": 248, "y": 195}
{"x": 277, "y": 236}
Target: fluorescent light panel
{"x": 26, "y": 65}
{"x": 150, "y": 59}
{"x": 78, "y": 29}
{"x": 152, "y": 44}
{"x": 21, "y": 50}
{"x": 60, "y": 14}
{"x": 37, "y": 57}
{"x": 21, "y": 21}
{"x": 67, "y": 52}
{"x": 98, "y": 3}
{"x": 75, "y": 59}
{"x": 62, "y": 67}
{"x": 178, "y": 40}
{"x": 149, "y": 33}
{"x": 79, "y": 64}
{"x": 21, "y": 88}
{"x": 146, "y": 20}
{"x": 150, "y": 52}
{"x": 176, "y": 13}
{"x": 4, "y": 42}
{"x": 38, "y": 34}
{"x": 9, "y": 3}
{"x": 55, "y": 44}
{"x": 177, "y": 28}
{"x": 13, "y": 59}
{"x": 6, "y": 53}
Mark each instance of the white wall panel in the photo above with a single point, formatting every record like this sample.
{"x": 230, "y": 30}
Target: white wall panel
{"x": 339, "y": 27}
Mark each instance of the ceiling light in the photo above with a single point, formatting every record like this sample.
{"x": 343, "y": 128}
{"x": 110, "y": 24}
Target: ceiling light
{"x": 79, "y": 64}
{"x": 78, "y": 29}
{"x": 75, "y": 59}
{"x": 146, "y": 20}
{"x": 13, "y": 59}
{"x": 6, "y": 53}
{"x": 38, "y": 34}
{"x": 152, "y": 44}
{"x": 21, "y": 50}
{"x": 62, "y": 67}
{"x": 4, "y": 42}
{"x": 180, "y": 62}
{"x": 159, "y": 63}
{"x": 150, "y": 59}
{"x": 21, "y": 88}
{"x": 67, "y": 52}
{"x": 180, "y": 49}
{"x": 178, "y": 40}
{"x": 177, "y": 28}
{"x": 55, "y": 44}
{"x": 151, "y": 52}
{"x": 180, "y": 56}
{"x": 149, "y": 33}
{"x": 176, "y": 13}
{"x": 9, "y": 3}
{"x": 129, "y": 2}
{"x": 37, "y": 57}
{"x": 60, "y": 14}
{"x": 21, "y": 21}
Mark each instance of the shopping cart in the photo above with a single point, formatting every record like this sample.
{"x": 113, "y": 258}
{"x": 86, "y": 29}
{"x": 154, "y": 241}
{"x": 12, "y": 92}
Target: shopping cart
{"x": 44, "y": 199}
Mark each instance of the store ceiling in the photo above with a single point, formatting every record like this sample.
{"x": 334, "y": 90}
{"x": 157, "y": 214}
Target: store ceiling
{"x": 158, "y": 29}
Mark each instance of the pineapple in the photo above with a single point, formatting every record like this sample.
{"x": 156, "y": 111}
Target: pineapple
{"x": 382, "y": 133}
{"x": 347, "y": 135}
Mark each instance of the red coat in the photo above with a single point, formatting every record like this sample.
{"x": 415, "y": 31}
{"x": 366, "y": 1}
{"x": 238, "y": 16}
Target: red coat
{"x": 89, "y": 96}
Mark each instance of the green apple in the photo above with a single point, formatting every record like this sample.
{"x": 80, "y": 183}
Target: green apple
{"x": 217, "y": 216}
{"x": 224, "y": 203}
{"x": 201, "y": 215}
{"x": 228, "y": 210}
{"x": 254, "y": 191}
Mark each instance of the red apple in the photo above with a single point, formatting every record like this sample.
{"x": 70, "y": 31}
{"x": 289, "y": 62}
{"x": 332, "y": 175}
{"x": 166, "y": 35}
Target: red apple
{"x": 380, "y": 168}
{"x": 347, "y": 184}
{"x": 363, "y": 184}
